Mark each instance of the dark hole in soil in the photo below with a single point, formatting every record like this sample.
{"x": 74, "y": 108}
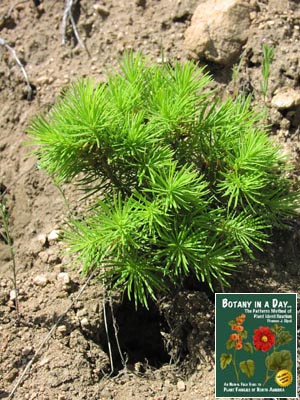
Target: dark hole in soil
{"x": 183, "y": 18}
{"x": 219, "y": 73}
{"x": 8, "y": 23}
{"x": 139, "y": 335}
{"x": 191, "y": 283}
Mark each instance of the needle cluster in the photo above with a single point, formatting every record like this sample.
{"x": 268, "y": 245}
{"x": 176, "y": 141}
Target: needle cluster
{"x": 189, "y": 185}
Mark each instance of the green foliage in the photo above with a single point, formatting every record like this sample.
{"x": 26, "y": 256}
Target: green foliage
{"x": 283, "y": 337}
{"x": 268, "y": 56}
{"x": 225, "y": 360}
{"x": 248, "y": 367}
{"x": 248, "y": 347}
{"x": 189, "y": 185}
{"x": 279, "y": 360}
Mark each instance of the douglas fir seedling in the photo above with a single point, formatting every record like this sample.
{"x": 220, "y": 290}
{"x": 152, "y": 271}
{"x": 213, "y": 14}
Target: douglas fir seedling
{"x": 188, "y": 185}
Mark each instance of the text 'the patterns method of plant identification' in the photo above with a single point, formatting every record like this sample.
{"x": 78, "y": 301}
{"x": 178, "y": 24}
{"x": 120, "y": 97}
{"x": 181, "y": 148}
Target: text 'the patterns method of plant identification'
{"x": 188, "y": 185}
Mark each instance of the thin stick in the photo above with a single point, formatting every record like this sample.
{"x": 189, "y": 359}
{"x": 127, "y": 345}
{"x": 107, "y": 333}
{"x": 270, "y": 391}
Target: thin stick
{"x": 14, "y": 54}
{"x": 116, "y": 331}
{"x": 75, "y": 29}
{"x": 107, "y": 336}
{"x": 47, "y": 338}
{"x": 64, "y": 21}
{"x": 68, "y": 14}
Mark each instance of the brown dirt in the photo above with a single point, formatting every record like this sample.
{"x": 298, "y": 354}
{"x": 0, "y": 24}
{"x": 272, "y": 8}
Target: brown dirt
{"x": 74, "y": 363}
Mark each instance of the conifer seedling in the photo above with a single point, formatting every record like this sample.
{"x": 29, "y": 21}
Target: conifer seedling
{"x": 182, "y": 184}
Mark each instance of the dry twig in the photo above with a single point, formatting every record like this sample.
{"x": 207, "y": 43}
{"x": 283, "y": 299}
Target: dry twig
{"x": 68, "y": 14}
{"x": 12, "y": 51}
{"x": 116, "y": 331}
{"x": 115, "y": 326}
{"x": 107, "y": 337}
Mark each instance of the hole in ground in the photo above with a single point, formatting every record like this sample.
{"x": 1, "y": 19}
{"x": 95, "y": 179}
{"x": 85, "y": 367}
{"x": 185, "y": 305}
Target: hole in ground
{"x": 139, "y": 335}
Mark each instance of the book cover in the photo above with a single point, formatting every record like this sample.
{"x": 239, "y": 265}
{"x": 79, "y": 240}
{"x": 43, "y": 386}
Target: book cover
{"x": 256, "y": 345}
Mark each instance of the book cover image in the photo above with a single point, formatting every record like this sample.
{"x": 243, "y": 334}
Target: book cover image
{"x": 256, "y": 345}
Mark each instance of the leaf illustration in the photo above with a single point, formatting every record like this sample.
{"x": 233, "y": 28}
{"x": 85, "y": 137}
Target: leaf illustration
{"x": 230, "y": 344}
{"x": 244, "y": 334}
{"x": 225, "y": 360}
{"x": 247, "y": 367}
{"x": 248, "y": 347}
{"x": 279, "y": 360}
{"x": 284, "y": 337}
{"x": 276, "y": 328}
{"x": 232, "y": 322}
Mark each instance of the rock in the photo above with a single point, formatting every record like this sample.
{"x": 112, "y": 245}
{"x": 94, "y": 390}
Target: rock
{"x": 13, "y": 295}
{"x": 27, "y": 350}
{"x": 40, "y": 280}
{"x": 81, "y": 313}
{"x": 64, "y": 278}
{"x": 64, "y": 281}
{"x": 101, "y": 10}
{"x": 42, "y": 239}
{"x": 84, "y": 322}
{"x": 62, "y": 330}
{"x": 181, "y": 386}
{"x": 53, "y": 236}
{"x": 286, "y": 98}
{"x": 218, "y": 30}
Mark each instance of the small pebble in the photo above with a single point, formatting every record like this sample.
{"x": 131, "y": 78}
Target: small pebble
{"x": 13, "y": 295}
{"x": 181, "y": 386}
{"x": 81, "y": 313}
{"x": 42, "y": 239}
{"x": 53, "y": 236}
{"x": 63, "y": 277}
{"x": 84, "y": 322}
{"x": 27, "y": 350}
{"x": 61, "y": 329}
{"x": 286, "y": 98}
{"x": 40, "y": 280}
{"x": 104, "y": 12}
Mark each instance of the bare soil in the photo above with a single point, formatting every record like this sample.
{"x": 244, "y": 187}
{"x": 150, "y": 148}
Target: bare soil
{"x": 168, "y": 351}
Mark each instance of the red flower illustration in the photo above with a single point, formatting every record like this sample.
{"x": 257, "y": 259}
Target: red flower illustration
{"x": 263, "y": 338}
{"x": 239, "y": 345}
